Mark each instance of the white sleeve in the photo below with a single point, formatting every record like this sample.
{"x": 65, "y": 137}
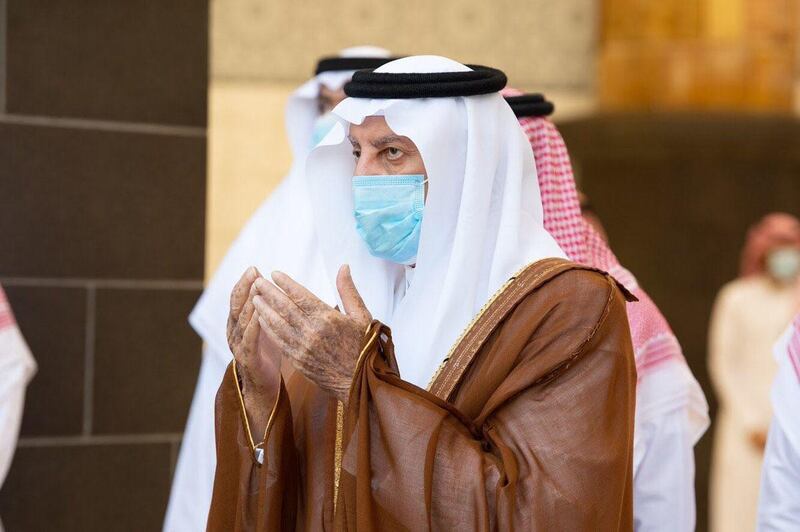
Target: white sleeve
{"x": 663, "y": 482}
{"x": 12, "y": 399}
{"x": 193, "y": 482}
{"x": 779, "y": 502}
{"x": 16, "y": 369}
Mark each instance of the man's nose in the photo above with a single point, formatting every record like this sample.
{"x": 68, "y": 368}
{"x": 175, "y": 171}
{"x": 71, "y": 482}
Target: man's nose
{"x": 369, "y": 165}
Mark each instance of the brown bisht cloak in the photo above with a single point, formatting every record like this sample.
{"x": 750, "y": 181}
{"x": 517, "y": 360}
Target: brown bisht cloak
{"x": 528, "y": 425}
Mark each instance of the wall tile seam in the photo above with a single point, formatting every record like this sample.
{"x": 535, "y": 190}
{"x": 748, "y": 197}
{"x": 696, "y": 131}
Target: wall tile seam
{"x": 28, "y": 442}
{"x": 88, "y": 360}
{"x": 103, "y": 284}
{"x": 115, "y": 126}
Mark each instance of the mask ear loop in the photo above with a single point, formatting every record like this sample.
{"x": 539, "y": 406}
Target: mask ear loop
{"x": 424, "y": 192}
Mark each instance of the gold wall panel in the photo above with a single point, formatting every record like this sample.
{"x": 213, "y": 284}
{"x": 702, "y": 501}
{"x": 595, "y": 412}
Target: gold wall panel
{"x": 248, "y": 154}
{"x": 537, "y": 42}
{"x": 699, "y": 55}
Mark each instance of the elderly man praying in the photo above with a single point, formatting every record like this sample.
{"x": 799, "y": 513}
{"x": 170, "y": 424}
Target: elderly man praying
{"x": 455, "y": 372}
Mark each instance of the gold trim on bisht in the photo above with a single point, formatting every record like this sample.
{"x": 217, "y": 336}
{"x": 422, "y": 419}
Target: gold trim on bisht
{"x": 338, "y": 450}
{"x": 471, "y": 324}
{"x": 256, "y": 449}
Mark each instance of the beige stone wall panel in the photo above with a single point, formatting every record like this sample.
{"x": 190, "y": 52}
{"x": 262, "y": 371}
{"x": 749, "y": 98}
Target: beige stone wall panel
{"x": 538, "y": 42}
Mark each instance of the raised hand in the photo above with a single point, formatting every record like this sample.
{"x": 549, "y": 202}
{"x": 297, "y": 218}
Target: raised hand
{"x": 320, "y": 341}
{"x": 258, "y": 363}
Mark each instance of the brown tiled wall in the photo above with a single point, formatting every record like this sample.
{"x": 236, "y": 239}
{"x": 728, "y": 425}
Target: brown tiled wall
{"x": 102, "y": 216}
{"x": 676, "y": 194}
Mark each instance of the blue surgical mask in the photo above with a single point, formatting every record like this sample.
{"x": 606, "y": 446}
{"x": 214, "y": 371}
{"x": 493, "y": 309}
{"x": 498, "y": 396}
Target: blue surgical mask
{"x": 784, "y": 264}
{"x": 388, "y": 211}
{"x": 322, "y": 126}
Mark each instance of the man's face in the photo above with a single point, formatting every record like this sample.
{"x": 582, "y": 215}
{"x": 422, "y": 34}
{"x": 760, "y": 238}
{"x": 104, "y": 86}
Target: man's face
{"x": 380, "y": 151}
{"x": 329, "y": 98}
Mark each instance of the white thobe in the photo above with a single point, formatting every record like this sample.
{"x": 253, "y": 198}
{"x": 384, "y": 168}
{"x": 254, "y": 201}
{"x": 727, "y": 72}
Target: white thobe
{"x": 663, "y": 481}
{"x": 749, "y": 316}
{"x": 17, "y": 367}
{"x": 779, "y": 501}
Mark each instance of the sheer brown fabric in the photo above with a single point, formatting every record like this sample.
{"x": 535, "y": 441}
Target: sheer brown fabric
{"x": 535, "y": 435}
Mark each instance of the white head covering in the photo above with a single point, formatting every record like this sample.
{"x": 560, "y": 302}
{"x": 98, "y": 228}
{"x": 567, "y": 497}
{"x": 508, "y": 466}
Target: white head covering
{"x": 482, "y": 220}
{"x": 17, "y": 367}
{"x": 280, "y": 235}
{"x": 302, "y": 109}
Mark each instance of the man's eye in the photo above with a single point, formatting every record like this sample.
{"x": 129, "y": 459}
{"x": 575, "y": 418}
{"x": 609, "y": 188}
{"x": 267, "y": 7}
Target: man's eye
{"x": 393, "y": 154}
{"x": 356, "y": 153}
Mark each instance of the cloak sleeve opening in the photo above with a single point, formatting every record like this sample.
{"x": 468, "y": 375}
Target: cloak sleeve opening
{"x": 550, "y": 447}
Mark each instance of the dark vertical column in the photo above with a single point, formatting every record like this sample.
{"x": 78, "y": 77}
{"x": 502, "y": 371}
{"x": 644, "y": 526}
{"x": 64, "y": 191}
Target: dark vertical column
{"x": 3, "y": 17}
{"x": 102, "y": 231}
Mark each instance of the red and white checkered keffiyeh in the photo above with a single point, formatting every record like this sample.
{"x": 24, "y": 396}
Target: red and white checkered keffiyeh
{"x": 6, "y": 316}
{"x": 658, "y": 353}
{"x": 793, "y": 349}
{"x": 653, "y": 339}
{"x": 774, "y": 230}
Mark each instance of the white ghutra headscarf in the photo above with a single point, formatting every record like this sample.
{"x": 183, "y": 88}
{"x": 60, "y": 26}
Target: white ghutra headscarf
{"x": 481, "y": 224}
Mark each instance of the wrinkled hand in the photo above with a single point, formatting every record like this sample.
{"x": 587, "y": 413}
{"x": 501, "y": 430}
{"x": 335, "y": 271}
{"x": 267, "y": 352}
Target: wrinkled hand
{"x": 758, "y": 439}
{"x": 258, "y": 362}
{"x": 320, "y": 341}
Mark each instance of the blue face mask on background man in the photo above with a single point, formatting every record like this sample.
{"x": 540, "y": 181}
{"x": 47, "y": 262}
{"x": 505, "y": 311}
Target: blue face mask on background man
{"x": 784, "y": 264}
{"x": 388, "y": 212}
{"x": 322, "y": 125}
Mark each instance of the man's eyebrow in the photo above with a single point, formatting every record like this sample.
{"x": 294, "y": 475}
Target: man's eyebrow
{"x": 353, "y": 141}
{"x": 387, "y": 139}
